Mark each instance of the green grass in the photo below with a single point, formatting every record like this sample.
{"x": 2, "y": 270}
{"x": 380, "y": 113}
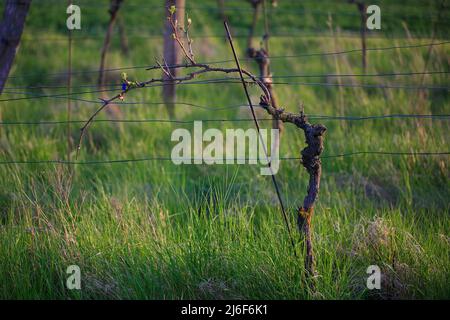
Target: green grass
{"x": 152, "y": 230}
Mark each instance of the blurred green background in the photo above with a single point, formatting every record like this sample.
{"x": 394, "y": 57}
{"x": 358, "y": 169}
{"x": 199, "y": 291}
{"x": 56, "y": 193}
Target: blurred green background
{"x": 152, "y": 229}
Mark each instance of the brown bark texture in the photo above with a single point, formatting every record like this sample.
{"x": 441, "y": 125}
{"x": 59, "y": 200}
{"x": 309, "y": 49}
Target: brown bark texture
{"x": 11, "y": 28}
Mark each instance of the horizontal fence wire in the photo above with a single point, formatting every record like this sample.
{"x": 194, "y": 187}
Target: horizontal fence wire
{"x": 305, "y": 75}
{"x": 234, "y": 5}
{"x": 293, "y": 34}
{"x": 242, "y": 33}
{"x": 248, "y": 8}
{"x": 146, "y": 103}
{"x": 242, "y": 106}
{"x": 156, "y": 158}
{"x": 322, "y": 117}
{"x": 233, "y": 80}
{"x": 229, "y": 80}
{"x": 411, "y": 46}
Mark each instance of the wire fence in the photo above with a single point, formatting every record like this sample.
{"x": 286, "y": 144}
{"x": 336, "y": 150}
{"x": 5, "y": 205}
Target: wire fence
{"x": 274, "y": 57}
{"x": 279, "y": 80}
{"x": 291, "y": 34}
{"x": 246, "y": 8}
{"x": 228, "y": 80}
{"x": 312, "y": 117}
{"x": 112, "y": 87}
{"x": 286, "y": 76}
{"x": 235, "y": 160}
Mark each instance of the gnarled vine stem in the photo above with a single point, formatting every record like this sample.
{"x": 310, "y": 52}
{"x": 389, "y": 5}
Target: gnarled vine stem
{"x": 314, "y": 133}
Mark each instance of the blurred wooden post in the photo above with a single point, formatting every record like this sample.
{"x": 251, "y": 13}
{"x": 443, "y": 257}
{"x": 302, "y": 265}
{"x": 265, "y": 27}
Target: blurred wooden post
{"x": 221, "y": 4}
{"x": 261, "y": 57}
{"x": 172, "y": 54}
{"x": 362, "y": 11}
{"x": 423, "y": 93}
{"x": 113, "y": 10}
{"x": 222, "y": 13}
{"x": 335, "y": 37}
{"x": 362, "y": 7}
{"x": 69, "y": 90}
{"x": 256, "y": 4}
{"x": 11, "y": 28}
{"x": 123, "y": 37}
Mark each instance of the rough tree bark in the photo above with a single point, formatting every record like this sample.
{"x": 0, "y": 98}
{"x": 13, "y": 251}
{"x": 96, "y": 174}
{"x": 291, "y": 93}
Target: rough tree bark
{"x": 314, "y": 134}
{"x": 11, "y": 28}
{"x": 311, "y": 161}
{"x": 172, "y": 55}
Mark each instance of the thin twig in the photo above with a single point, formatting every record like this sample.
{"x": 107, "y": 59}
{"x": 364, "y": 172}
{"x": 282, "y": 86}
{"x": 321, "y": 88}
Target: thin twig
{"x": 176, "y": 37}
